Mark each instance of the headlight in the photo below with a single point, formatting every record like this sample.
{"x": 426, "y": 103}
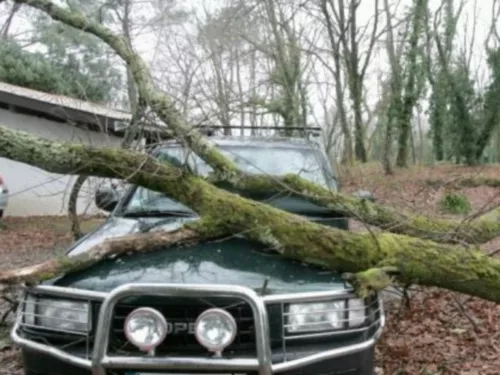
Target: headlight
{"x": 57, "y": 314}
{"x": 145, "y": 328}
{"x": 357, "y": 312}
{"x": 215, "y": 329}
{"x": 324, "y": 316}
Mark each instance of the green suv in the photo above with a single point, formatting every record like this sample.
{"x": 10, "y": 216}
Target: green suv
{"x": 223, "y": 307}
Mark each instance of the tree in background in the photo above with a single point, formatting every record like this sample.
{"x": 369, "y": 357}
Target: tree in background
{"x": 464, "y": 117}
{"x": 345, "y": 37}
{"x": 34, "y": 70}
{"x": 67, "y": 62}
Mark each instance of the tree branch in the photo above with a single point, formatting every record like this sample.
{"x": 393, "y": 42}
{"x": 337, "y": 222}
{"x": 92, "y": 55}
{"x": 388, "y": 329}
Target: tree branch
{"x": 158, "y": 101}
{"x": 465, "y": 270}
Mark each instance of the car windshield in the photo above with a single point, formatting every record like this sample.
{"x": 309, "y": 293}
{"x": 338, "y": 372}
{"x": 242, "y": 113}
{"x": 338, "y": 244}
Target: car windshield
{"x": 305, "y": 162}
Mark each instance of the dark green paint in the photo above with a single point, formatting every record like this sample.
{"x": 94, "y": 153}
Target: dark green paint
{"x": 235, "y": 261}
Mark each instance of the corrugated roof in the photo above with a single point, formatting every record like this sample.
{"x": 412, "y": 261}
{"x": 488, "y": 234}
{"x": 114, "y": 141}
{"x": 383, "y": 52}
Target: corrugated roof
{"x": 65, "y": 102}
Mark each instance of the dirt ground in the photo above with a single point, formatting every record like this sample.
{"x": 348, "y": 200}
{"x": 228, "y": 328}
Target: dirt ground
{"x": 438, "y": 333}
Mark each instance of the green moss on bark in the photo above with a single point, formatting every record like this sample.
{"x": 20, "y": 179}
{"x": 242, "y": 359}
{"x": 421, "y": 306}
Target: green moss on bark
{"x": 371, "y": 280}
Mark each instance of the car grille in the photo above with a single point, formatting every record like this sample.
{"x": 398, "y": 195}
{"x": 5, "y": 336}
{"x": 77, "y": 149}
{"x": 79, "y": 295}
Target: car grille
{"x": 181, "y": 314}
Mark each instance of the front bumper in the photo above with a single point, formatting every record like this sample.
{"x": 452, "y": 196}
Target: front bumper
{"x": 101, "y": 362}
{"x": 361, "y": 363}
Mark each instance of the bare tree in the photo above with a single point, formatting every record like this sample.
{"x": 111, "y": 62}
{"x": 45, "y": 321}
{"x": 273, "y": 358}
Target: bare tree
{"x": 344, "y": 31}
{"x": 4, "y": 31}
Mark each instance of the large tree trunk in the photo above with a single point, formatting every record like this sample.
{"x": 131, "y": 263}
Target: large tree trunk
{"x": 134, "y": 167}
{"x": 410, "y": 91}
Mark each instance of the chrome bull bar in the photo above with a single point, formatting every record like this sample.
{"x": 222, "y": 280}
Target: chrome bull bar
{"x": 262, "y": 364}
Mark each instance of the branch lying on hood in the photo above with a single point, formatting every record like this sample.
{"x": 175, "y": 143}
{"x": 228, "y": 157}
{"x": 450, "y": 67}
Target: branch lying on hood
{"x": 463, "y": 269}
{"x": 136, "y": 243}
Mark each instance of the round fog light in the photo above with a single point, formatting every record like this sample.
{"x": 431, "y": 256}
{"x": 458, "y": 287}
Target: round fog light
{"x": 145, "y": 328}
{"x": 215, "y": 329}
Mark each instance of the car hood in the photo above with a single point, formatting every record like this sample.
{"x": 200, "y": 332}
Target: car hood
{"x": 233, "y": 261}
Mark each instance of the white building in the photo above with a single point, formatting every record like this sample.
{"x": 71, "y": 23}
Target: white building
{"x": 59, "y": 118}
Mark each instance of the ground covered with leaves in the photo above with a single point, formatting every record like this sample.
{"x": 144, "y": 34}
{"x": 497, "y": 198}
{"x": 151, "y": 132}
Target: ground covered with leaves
{"x": 434, "y": 332}
{"x": 439, "y": 332}
{"x": 25, "y": 241}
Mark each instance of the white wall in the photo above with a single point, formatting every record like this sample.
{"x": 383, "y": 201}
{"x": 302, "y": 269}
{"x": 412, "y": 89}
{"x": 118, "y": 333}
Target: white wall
{"x": 36, "y": 192}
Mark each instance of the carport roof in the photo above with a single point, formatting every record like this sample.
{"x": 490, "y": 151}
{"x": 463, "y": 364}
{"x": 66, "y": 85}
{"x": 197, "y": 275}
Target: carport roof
{"x": 64, "y": 108}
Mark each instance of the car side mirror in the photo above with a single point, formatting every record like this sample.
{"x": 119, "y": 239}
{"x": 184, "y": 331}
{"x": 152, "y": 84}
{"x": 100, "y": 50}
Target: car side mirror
{"x": 106, "y": 198}
{"x": 364, "y": 194}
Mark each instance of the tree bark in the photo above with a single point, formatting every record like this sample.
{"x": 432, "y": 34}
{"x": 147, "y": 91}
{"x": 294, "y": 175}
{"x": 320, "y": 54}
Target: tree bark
{"x": 348, "y": 153}
{"x": 410, "y": 91}
{"x": 4, "y": 31}
{"x": 76, "y": 230}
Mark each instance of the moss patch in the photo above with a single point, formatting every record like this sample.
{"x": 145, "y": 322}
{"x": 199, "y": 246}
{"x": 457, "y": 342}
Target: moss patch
{"x": 454, "y": 203}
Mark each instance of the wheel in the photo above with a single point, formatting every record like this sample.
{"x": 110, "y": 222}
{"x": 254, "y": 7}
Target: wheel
{"x": 1, "y": 214}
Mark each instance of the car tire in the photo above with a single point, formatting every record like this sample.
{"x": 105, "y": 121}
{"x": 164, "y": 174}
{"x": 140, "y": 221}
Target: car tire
{"x": 1, "y": 214}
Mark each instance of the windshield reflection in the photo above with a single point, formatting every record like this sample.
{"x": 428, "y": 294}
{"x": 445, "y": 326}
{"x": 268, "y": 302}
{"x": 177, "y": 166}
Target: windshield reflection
{"x": 305, "y": 162}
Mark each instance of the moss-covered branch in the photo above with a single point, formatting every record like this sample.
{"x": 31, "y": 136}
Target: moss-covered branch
{"x": 107, "y": 249}
{"x": 418, "y": 261}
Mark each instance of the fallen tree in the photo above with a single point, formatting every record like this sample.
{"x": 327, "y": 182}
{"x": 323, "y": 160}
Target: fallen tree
{"x": 366, "y": 255}
{"x": 372, "y": 260}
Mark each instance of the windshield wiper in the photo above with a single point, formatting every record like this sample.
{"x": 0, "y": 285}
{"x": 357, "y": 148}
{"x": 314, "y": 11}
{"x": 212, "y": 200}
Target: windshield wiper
{"x": 145, "y": 227}
{"x": 169, "y": 217}
{"x": 158, "y": 213}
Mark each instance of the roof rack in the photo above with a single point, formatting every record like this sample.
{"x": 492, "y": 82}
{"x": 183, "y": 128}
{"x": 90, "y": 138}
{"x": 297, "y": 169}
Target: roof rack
{"x": 210, "y": 130}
